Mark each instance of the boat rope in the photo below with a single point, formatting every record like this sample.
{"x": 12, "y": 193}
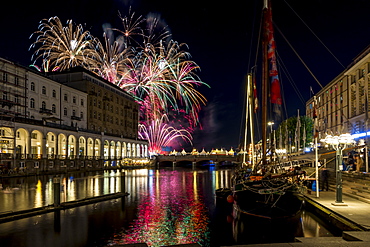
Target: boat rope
{"x": 315, "y": 35}
{"x": 299, "y": 57}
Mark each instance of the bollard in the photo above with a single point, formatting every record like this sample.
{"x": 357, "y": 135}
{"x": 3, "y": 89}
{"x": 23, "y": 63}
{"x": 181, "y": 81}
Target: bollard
{"x": 123, "y": 188}
{"x": 57, "y": 225}
{"x": 56, "y": 183}
{"x": 123, "y": 182}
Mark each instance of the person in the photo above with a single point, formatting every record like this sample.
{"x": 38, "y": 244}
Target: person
{"x": 350, "y": 163}
{"x": 358, "y": 162}
{"x": 324, "y": 179}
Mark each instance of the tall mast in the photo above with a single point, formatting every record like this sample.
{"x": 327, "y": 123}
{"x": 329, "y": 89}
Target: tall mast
{"x": 246, "y": 119}
{"x": 265, "y": 79}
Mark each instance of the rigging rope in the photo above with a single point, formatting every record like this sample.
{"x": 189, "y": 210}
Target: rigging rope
{"x": 315, "y": 35}
{"x": 299, "y": 57}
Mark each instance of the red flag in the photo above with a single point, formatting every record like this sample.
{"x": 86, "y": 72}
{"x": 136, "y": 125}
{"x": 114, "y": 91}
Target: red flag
{"x": 275, "y": 83}
{"x": 275, "y": 91}
{"x": 314, "y": 112}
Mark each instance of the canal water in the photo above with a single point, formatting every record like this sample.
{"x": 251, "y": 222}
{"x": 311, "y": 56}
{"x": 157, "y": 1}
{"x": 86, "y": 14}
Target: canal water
{"x": 164, "y": 207}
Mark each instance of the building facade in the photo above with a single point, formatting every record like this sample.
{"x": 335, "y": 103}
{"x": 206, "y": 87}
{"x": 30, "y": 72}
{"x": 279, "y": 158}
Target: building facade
{"x": 110, "y": 109}
{"x": 342, "y": 106}
{"x": 51, "y": 125}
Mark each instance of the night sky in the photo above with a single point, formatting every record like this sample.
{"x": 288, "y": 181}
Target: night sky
{"x": 219, "y": 35}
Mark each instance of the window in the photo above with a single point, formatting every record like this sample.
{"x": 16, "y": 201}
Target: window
{"x": 82, "y": 102}
{"x": 43, "y": 90}
{"x": 53, "y": 108}
{"x": 73, "y": 112}
{"x": 65, "y": 97}
{"x": 65, "y": 111}
{"x": 81, "y": 115}
{"x": 74, "y": 100}
{"x": 16, "y": 80}
{"x": 32, "y": 103}
{"x": 5, "y": 95}
{"x": 32, "y": 86}
{"x": 43, "y": 105}
{"x": 16, "y": 99}
{"x": 5, "y": 77}
{"x": 54, "y": 94}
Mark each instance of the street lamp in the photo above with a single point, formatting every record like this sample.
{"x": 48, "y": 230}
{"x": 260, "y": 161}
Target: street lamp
{"x": 270, "y": 124}
{"x": 338, "y": 143}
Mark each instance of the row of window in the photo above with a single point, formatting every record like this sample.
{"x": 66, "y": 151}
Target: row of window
{"x": 6, "y": 96}
{"x": 111, "y": 131}
{"x": 98, "y": 93}
{"x": 54, "y": 109}
{"x": 5, "y": 78}
{"x": 109, "y": 119}
{"x": 54, "y": 94}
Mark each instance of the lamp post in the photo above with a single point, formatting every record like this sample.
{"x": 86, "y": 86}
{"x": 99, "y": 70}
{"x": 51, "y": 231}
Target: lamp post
{"x": 270, "y": 124}
{"x": 338, "y": 143}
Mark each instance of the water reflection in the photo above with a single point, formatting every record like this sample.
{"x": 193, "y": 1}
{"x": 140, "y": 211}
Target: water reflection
{"x": 31, "y": 192}
{"x": 312, "y": 226}
{"x": 165, "y": 207}
{"x": 170, "y": 211}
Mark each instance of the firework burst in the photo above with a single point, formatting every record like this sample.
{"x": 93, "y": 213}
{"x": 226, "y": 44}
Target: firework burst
{"x": 131, "y": 28}
{"x": 162, "y": 77}
{"x": 109, "y": 60}
{"x": 62, "y": 46}
{"x": 143, "y": 61}
{"x": 159, "y": 134}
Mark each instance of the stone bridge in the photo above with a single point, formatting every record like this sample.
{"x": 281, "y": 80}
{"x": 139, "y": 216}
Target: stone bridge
{"x": 196, "y": 160}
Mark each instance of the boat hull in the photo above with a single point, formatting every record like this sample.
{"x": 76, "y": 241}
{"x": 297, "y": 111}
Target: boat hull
{"x": 261, "y": 204}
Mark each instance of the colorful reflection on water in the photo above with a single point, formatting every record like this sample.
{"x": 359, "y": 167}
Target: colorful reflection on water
{"x": 168, "y": 206}
{"x": 172, "y": 211}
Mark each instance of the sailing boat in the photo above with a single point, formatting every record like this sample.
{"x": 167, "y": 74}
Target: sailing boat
{"x": 263, "y": 188}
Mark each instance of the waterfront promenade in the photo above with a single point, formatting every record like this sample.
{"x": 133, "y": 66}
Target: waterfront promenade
{"x": 354, "y": 219}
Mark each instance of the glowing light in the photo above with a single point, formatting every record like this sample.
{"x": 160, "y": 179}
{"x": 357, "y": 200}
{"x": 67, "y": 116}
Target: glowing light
{"x": 64, "y": 46}
{"x": 143, "y": 61}
{"x": 171, "y": 213}
{"x": 159, "y": 134}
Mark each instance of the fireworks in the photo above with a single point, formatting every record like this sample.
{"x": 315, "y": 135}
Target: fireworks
{"x": 109, "y": 60}
{"x": 62, "y": 46}
{"x": 131, "y": 27}
{"x": 161, "y": 77}
{"x": 157, "y": 71}
{"x": 159, "y": 134}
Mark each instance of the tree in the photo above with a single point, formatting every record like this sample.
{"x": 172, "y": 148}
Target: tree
{"x": 287, "y": 131}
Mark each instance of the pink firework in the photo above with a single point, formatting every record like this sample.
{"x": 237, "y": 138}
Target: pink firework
{"x": 159, "y": 134}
